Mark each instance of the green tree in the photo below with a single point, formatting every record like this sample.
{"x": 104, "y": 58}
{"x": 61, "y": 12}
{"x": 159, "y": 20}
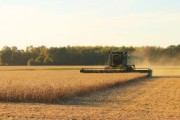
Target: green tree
{"x": 48, "y": 61}
{"x": 31, "y": 62}
{"x": 6, "y": 55}
{"x": 39, "y": 60}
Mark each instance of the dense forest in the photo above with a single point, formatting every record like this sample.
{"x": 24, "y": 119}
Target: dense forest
{"x": 81, "y": 55}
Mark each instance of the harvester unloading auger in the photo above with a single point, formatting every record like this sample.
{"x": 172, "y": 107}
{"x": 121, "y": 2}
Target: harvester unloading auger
{"x": 119, "y": 62}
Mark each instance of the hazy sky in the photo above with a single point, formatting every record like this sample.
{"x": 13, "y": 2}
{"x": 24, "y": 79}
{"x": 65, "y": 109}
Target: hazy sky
{"x": 89, "y": 22}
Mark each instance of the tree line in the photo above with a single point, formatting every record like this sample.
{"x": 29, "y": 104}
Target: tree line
{"x": 87, "y": 55}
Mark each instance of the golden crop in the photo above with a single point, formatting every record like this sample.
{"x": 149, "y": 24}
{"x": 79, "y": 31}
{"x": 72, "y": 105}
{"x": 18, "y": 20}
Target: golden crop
{"x": 54, "y": 85}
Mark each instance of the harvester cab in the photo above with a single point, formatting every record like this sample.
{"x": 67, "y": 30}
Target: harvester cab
{"x": 119, "y": 62}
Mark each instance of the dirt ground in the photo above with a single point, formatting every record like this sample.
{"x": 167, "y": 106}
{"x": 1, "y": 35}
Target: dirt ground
{"x": 149, "y": 98}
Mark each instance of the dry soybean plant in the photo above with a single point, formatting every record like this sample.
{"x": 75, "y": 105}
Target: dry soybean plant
{"x": 54, "y": 86}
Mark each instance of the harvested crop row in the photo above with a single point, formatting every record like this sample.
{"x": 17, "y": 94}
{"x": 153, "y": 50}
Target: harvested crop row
{"x": 53, "y": 86}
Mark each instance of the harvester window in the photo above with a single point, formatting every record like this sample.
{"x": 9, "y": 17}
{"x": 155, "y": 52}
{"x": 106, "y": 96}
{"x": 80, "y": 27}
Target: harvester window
{"x": 117, "y": 59}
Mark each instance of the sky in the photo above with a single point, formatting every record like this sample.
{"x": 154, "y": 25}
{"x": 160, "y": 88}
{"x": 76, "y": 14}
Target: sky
{"x": 56, "y": 23}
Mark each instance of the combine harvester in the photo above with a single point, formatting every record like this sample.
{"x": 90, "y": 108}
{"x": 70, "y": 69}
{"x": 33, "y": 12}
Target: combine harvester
{"x": 119, "y": 62}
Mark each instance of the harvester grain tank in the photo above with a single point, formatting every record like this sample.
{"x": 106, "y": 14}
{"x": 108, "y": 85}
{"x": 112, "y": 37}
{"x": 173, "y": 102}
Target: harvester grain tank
{"x": 119, "y": 62}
